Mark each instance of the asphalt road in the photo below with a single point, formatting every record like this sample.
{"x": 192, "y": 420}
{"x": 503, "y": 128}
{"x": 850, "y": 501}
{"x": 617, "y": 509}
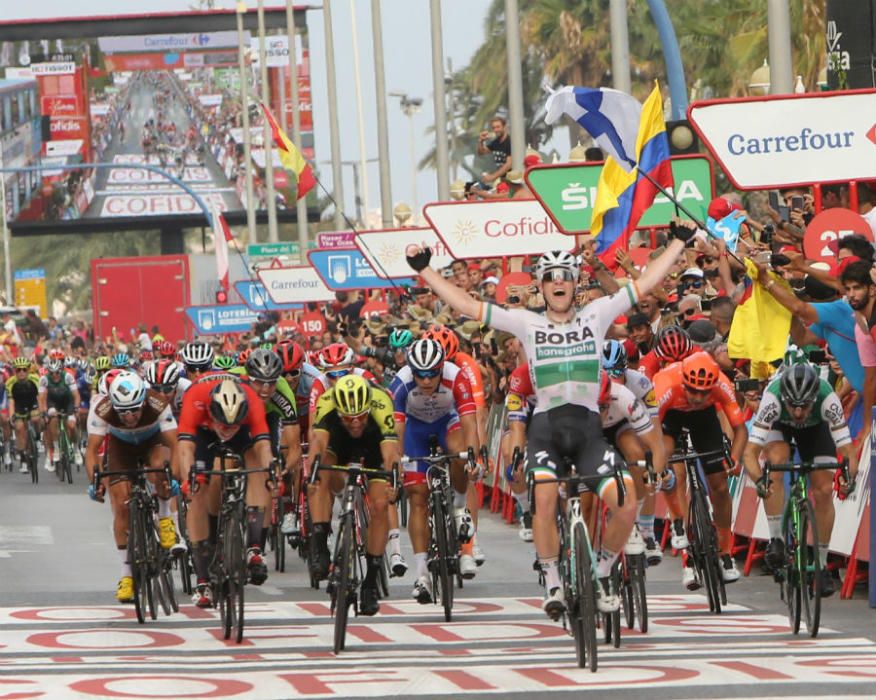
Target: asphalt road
{"x": 62, "y": 635}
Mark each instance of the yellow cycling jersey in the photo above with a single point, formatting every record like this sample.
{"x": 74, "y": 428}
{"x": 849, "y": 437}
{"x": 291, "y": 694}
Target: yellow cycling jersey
{"x": 381, "y": 415}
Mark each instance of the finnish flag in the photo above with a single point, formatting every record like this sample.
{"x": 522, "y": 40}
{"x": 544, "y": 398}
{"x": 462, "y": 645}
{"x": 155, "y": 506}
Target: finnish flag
{"x": 611, "y": 117}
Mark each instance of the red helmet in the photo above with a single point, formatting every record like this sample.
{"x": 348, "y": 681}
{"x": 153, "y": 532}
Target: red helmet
{"x": 243, "y": 355}
{"x": 107, "y": 379}
{"x": 292, "y": 355}
{"x": 162, "y": 372}
{"x": 336, "y": 355}
{"x": 604, "y": 390}
{"x": 673, "y": 344}
{"x": 699, "y": 371}
{"x": 146, "y": 356}
{"x": 57, "y": 355}
{"x": 448, "y": 339}
{"x": 166, "y": 349}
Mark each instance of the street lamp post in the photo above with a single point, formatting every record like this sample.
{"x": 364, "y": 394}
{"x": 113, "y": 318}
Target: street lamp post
{"x": 247, "y": 136}
{"x": 410, "y": 106}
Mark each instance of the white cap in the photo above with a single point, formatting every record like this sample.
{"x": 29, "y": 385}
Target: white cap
{"x": 693, "y": 272}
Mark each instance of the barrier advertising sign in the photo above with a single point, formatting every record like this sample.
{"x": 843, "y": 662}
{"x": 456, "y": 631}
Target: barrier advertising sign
{"x": 567, "y": 192}
{"x": 227, "y": 318}
{"x": 256, "y": 297}
{"x": 497, "y": 228}
{"x": 385, "y": 250}
{"x": 294, "y": 285}
{"x": 785, "y": 140}
{"x": 346, "y": 269}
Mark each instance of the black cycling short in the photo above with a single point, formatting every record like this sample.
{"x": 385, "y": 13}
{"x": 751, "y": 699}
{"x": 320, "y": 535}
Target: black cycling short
{"x": 208, "y": 446}
{"x": 570, "y": 435}
{"x": 812, "y": 441}
{"x": 705, "y": 434}
{"x": 364, "y": 450}
{"x": 65, "y": 405}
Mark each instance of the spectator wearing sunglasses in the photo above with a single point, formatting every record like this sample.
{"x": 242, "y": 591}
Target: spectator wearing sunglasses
{"x": 692, "y": 281}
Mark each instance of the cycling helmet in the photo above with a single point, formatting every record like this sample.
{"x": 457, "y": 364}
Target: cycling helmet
{"x": 264, "y": 365}
{"x": 699, "y": 371}
{"x": 166, "y": 349}
{"x": 614, "y": 356}
{"x": 120, "y": 360}
{"x": 604, "y": 390}
{"x": 57, "y": 355}
{"x": 291, "y": 355}
{"x": 197, "y": 355}
{"x": 107, "y": 379}
{"x": 127, "y": 391}
{"x": 162, "y": 373}
{"x": 799, "y": 384}
{"x": 71, "y": 362}
{"x": 557, "y": 260}
{"x": 400, "y": 338}
{"x": 228, "y": 402}
{"x": 266, "y": 346}
{"x": 102, "y": 363}
{"x": 448, "y": 339}
{"x": 336, "y": 355}
{"x": 352, "y": 395}
{"x": 21, "y": 363}
{"x": 224, "y": 362}
{"x": 243, "y": 356}
{"x": 794, "y": 356}
{"x": 146, "y": 356}
{"x": 426, "y": 355}
{"x": 54, "y": 366}
{"x": 673, "y": 344}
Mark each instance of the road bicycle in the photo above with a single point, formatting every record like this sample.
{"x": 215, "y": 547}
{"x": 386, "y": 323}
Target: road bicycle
{"x": 66, "y": 450}
{"x": 577, "y": 564}
{"x": 150, "y": 563}
{"x": 703, "y": 553}
{"x": 799, "y": 577}
{"x": 443, "y": 551}
{"x": 31, "y": 452}
{"x": 228, "y": 570}
{"x": 347, "y": 568}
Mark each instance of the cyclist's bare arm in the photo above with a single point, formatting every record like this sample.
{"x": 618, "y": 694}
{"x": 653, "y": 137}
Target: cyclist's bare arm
{"x": 92, "y": 458}
{"x": 185, "y": 455}
{"x": 469, "y": 424}
{"x": 740, "y": 440}
{"x": 168, "y": 438}
{"x": 291, "y": 438}
{"x": 318, "y": 444}
{"x": 653, "y": 441}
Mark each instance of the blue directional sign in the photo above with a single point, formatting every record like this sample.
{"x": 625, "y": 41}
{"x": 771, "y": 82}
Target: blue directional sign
{"x": 228, "y": 318}
{"x": 257, "y": 298}
{"x": 348, "y": 269}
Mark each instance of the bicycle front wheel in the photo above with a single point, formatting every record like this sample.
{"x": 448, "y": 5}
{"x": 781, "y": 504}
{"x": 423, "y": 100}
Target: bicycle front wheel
{"x": 809, "y": 568}
{"x": 445, "y": 573}
{"x": 584, "y": 606}
{"x": 344, "y": 575}
{"x": 136, "y": 560}
{"x": 235, "y": 561}
{"x": 33, "y": 457}
{"x": 704, "y": 548}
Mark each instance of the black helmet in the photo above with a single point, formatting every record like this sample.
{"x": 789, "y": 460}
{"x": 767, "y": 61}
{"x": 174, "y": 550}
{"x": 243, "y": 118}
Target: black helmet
{"x": 264, "y": 365}
{"x": 799, "y": 384}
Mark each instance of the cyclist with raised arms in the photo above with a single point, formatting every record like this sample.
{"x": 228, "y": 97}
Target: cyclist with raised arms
{"x": 563, "y": 347}
{"x": 433, "y": 397}
{"x": 801, "y": 408}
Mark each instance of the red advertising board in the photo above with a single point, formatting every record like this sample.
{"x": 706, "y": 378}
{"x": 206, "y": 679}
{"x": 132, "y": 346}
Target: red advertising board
{"x": 67, "y": 128}
{"x": 59, "y": 106}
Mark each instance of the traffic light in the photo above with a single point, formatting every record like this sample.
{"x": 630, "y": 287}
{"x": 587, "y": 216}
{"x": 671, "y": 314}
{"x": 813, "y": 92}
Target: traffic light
{"x": 221, "y": 297}
{"x": 682, "y": 138}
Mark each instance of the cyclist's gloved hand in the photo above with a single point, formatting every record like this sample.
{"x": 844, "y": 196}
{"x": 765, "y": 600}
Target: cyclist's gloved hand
{"x": 668, "y": 480}
{"x": 174, "y": 487}
{"x": 762, "y": 487}
{"x": 682, "y": 230}
{"x": 843, "y": 489}
{"x": 94, "y": 494}
{"x": 419, "y": 261}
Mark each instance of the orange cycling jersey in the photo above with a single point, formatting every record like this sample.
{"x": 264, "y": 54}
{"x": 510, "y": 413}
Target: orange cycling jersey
{"x": 669, "y": 387}
{"x": 472, "y": 372}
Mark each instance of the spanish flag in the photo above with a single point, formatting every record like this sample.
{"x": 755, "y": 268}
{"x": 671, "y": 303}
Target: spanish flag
{"x": 290, "y": 156}
{"x": 621, "y": 196}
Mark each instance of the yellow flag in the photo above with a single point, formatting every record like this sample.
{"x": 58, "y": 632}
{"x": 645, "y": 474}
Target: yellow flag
{"x": 760, "y": 325}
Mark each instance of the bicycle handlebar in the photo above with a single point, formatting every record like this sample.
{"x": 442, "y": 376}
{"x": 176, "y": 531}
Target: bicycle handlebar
{"x": 691, "y": 456}
{"x": 353, "y": 468}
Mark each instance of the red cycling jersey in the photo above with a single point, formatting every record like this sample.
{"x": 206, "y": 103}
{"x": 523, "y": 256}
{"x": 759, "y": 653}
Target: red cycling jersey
{"x": 669, "y": 387}
{"x": 472, "y": 372}
{"x": 195, "y": 412}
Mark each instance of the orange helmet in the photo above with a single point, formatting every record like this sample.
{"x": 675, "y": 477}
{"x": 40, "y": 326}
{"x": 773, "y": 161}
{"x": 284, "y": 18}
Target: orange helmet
{"x": 699, "y": 371}
{"x": 243, "y": 355}
{"x": 447, "y": 338}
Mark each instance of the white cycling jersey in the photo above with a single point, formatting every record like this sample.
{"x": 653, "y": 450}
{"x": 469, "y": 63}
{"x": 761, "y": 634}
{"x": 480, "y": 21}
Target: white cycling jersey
{"x": 564, "y": 358}
{"x": 625, "y": 406}
{"x": 643, "y": 389}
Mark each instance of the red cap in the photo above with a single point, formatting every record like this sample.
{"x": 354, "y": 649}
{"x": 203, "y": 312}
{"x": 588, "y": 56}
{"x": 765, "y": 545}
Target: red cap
{"x": 474, "y": 266}
{"x": 721, "y": 207}
{"x": 531, "y": 160}
{"x": 789, "y": 249}
{"x": 844, "y": 263}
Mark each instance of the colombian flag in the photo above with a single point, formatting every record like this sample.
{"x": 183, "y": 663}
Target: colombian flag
{"x": 290, "y": 156}
{"x": 622, "y": 197}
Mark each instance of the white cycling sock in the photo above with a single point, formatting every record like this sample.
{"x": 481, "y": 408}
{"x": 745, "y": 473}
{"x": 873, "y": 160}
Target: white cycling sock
{"x": 774, "y": 523}
{"x": 604, "y": 561}
{"x": 163, "y": 507}
{"x": 422, "y": 567}
{"x": 459, "y": 499}
{"x": 522, "y": 500}
{"x": 551, "y": 571}
{"x": 123, "y": 558}
{"x": 394, "y": 541}
{"x": 822, "y": 553}
{"x": 646, "y": 525}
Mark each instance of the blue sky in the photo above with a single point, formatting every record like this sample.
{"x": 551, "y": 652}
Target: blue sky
{"x": 407, "y": 55}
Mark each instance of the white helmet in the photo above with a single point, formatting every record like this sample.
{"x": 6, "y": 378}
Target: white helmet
{"x": 198, "y": 355}
{"x": 127, "y": 391}
{"x": 426, "y": 355}
{"x": 557, "y": 260}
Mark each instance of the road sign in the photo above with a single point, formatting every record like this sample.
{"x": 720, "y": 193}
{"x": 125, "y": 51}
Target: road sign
{"x": 385, "y": 250}
{"x": 256, "y": 297}
{"x": 294, "y": 285}
{"x": 785, "y": 140}
{"x": 504, "y": 227}
{"x": 346, "y": 269}
{"x": 568, "y": 191}
{"x": 272, "y": 250}
{"x": 829, "y": 226}
{"x": 30, "y": 289}
{"x": 228, "y": 318}
{"x": 336, "y": 239}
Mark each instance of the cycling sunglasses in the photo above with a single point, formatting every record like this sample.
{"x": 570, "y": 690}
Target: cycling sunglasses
{"x": 164, "y": 388}
{"x": 292, "y": 374}
{"x": 355, "y": 418}
{"x": 426, "y": 373}
{"x": 559, "y": 275}
{"x": 337, "y": 373}
{"x": 696, "y": 284}
{"x": 121, "y": 412}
